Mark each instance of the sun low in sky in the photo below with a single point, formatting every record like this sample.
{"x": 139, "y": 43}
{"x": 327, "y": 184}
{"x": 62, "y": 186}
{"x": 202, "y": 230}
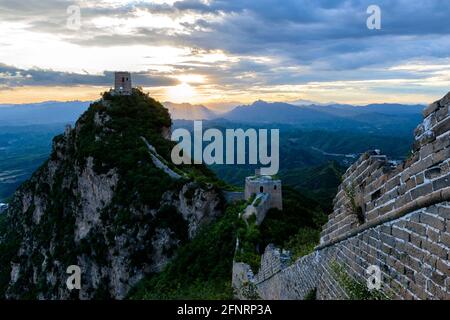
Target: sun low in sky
{"x": 213, "y": 52}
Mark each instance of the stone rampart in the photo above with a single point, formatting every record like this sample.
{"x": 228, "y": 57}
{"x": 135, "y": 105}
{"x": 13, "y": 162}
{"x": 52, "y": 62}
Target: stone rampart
{"x": 392, "y": 216}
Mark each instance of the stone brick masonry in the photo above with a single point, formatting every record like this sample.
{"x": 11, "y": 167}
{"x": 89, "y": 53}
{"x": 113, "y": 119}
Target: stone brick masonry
{"x": 396, "y": 217}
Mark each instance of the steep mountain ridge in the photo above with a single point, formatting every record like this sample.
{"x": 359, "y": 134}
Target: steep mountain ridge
{"x": 101, "y": 203}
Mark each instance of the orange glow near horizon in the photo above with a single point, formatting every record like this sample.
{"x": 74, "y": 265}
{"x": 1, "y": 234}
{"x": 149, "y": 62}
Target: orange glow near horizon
{"x": 22, "y": 95}
{"x": 181, "y": 93}
{"x": 211, "y": 96}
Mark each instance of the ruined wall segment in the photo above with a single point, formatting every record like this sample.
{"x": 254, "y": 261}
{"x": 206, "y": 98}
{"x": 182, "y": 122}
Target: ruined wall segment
{"x": 258, "y": 208}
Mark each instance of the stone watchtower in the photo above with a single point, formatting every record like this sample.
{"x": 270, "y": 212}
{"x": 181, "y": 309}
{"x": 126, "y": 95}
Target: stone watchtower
{"x": 267, "y": 195}
{"x": 122, "y": 83}
{"x": 259, "y": 184}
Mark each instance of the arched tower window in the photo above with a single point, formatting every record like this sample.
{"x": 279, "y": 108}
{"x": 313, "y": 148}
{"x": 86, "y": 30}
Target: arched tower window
{"x": 261, "y": 189}
{"x": 275, "y": 187}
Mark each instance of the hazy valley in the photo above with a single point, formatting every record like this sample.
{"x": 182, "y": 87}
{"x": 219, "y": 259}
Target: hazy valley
{"x": 312, "y": 136}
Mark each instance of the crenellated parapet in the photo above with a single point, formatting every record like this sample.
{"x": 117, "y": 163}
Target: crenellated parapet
{"x": 387, "y": 215}
{"x": 375, "y": 190}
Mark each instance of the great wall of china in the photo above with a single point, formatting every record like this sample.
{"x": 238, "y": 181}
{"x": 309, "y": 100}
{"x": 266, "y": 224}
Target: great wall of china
{"x": 393, "y": 216}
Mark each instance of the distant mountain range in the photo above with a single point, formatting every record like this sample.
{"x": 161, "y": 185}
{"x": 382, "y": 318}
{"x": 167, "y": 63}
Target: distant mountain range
{"x": 187, "y": 111}
{"x": 50, "y": 112}
{"x": 302, "y": 102}
{"x": 375, "y": 118}
{"x": 261, "y": 111}
{"x": 303, "y": 115}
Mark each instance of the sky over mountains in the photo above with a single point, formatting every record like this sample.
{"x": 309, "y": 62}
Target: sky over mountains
{"x": 214, "y": 51}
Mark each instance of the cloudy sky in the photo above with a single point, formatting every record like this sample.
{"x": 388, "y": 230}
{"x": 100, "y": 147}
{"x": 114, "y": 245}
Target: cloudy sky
{"x": 219, "y": 51}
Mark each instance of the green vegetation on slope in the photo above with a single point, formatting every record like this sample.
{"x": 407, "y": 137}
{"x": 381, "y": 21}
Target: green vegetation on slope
{"x": 110, "y": 132}
{"x": 201, "y": 268}
{"x": 296, "y": 228}
{"x": 356, "y": 290}
{"x": 319, "y": 182}
{"x": 249, "y": 240}
{"x": 117, "y": 144}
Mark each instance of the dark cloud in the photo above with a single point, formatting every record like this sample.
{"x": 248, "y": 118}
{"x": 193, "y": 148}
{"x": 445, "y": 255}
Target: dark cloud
{"x": 331, "y": 31}
{"x": 330, "y": 37}
{"x": 14, "y": 77}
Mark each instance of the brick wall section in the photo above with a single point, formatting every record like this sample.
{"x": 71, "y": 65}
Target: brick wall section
{"x": 412, "y": 253}
{"x": 272, "y": 261}
{"x": 394, "y": 216}
{"x": 382, "y": 191}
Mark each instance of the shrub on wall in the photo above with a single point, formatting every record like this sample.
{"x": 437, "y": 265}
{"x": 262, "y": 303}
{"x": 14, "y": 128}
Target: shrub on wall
{"x": 355, "y": 290}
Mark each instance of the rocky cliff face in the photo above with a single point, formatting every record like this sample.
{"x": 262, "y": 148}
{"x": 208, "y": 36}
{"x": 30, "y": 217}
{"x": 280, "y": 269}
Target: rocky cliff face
{"x": 100, "y": 203}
